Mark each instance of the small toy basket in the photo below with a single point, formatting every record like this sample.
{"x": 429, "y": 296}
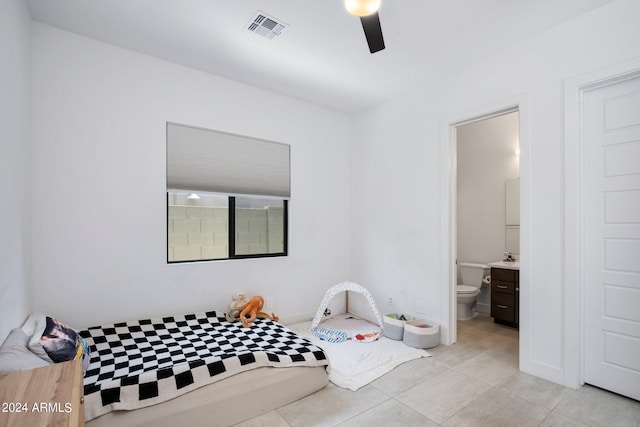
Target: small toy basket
{"x": 394, "y": 327}
{"x": 421, "y": 333}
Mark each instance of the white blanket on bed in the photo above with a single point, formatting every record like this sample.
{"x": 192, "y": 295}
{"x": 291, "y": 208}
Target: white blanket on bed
{"x": 355, "y": 364}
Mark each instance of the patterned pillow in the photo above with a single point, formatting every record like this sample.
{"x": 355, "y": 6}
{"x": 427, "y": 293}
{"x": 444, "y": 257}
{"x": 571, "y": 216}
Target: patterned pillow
{"x": 56, "y": 342}
{"x": 330, "y": 335}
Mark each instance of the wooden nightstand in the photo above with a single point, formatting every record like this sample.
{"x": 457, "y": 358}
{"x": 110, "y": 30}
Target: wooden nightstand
{"x": 49, "y": 396}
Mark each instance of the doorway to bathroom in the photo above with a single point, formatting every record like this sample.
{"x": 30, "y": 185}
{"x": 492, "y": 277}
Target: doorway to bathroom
{"x": 487, "y": 219}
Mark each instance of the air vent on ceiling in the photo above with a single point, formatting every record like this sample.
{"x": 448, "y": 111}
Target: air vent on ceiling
{"x": 265, "y": 25}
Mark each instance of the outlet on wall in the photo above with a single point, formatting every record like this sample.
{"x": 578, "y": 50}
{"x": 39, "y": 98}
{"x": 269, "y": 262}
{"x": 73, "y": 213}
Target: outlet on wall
{"x": 390, "y": 300}
{"x": 419, "y": 307}
{"x": 268, "y": 302}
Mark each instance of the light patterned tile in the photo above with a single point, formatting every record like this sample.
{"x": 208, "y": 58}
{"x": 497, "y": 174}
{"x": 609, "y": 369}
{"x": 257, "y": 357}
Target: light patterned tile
{"x": 331, "y": 406}
{"x": 555, "y": 419}
{"x": 533, "y": 389}
{"x": 491, "y": 367}
{"x": 507, "y": 331}
{"x": 500, "y": 342}
{"x": 270, "y": 419}
{"x": 596, "y": 407}
{"x": 471, "y": 334}
{"x": 486, "y": 324}
{"x": 482, "y": 321}
{"x": 390, "y": 414}
{"x": 408, "y": 375}
{"x": 498, "y": 409}
{"x": 443, "y": 395}
{"x": 455, "y": 354}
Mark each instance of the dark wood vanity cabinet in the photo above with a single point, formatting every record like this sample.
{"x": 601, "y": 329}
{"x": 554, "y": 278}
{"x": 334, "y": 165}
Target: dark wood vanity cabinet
{"x": 505, "y": 296}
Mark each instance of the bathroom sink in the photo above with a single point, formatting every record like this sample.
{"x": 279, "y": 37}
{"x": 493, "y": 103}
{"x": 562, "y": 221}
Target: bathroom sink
{"x": 511, "y": 265}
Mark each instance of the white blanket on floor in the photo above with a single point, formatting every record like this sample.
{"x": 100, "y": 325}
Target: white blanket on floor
{"x": 355, "y": 364}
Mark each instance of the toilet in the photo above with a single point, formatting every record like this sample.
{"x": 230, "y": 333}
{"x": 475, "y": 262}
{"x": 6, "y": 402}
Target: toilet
{"x": 472, "y": 276}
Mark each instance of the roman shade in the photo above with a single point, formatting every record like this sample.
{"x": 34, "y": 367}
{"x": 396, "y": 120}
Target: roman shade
{"x": 211, "y": 161}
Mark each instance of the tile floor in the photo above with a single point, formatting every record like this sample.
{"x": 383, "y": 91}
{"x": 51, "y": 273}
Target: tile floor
{"x": 475, "y": 382}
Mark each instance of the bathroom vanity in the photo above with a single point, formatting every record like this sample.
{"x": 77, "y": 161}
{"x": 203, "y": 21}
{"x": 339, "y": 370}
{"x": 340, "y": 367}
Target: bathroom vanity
{"x": 505, "y": 292}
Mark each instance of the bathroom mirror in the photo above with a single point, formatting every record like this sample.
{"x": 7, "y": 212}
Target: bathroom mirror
{"x": 512, "y": 199}
{"x": 512, "y": 216}
{"x": 512, "y": 237}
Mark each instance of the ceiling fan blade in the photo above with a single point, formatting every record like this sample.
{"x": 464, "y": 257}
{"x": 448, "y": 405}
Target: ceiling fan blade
{"x": 373, "y": 32}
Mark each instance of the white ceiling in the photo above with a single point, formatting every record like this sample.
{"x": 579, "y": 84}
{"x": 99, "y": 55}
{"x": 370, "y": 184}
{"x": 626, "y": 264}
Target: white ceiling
{"x": 322, "y": 57}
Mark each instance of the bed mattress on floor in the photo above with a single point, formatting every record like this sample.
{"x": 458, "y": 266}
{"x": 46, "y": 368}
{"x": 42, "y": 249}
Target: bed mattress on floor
{"x": 141, "y": 363}
{"x": 227, "y": 402}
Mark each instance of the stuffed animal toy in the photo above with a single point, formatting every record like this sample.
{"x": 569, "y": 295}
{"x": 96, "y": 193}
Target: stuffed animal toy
{"x": 232, "y": 315}
{"x": 252, "y": 310}
{"x": 237, "y": 301}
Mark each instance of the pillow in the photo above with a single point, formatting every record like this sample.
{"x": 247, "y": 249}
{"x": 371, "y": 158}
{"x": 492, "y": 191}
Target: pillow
{"x": 56, "y": 342}
{"x": 29, "y": 326}
{"x": 15, "y": 355}
{"x": 330, "y": 335}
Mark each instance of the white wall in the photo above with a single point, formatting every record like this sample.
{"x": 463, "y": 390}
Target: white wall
{"x": 15, "y": 196}
{"x": 398, "y": 150}
{"x": 99, "y": 115}
{"x": 486, "y": 158}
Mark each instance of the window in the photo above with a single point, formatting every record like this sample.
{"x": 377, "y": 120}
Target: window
{"x": 227, "y": 195}
{"x": 260, "y": 226}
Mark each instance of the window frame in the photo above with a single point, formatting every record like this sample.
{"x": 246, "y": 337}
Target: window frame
{"x": 231, "y": 234}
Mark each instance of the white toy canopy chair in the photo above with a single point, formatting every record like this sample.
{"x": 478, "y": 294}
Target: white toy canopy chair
{"x": 347, "y": 311}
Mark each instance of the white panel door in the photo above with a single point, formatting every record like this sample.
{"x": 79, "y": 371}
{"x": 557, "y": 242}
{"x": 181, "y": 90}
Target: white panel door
{"x": 611, "y": 150}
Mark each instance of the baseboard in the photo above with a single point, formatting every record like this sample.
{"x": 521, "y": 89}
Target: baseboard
{"x": 483, "y": 308}
{"x": 296, "y": 318}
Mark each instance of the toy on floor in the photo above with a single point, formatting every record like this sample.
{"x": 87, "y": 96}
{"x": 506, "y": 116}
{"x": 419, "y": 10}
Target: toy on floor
{"x": 347, "y": 312}
{"x": 251, "y": 310}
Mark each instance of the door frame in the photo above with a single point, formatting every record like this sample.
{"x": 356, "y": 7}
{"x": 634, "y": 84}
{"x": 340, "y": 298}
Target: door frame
{"x": 518, "y": 103}
{"x": 574, "y": 313}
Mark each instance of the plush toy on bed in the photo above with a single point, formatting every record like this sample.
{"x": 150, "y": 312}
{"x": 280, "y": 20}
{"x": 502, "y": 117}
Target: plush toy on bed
{"x": 251, "y": 310}
{"x": 237, "y": 301}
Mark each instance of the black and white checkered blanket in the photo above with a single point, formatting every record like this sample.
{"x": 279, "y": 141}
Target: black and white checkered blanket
{"x": 141, "y": 363}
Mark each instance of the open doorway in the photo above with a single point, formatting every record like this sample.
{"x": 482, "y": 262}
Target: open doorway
{"x": 486, "y": 219}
